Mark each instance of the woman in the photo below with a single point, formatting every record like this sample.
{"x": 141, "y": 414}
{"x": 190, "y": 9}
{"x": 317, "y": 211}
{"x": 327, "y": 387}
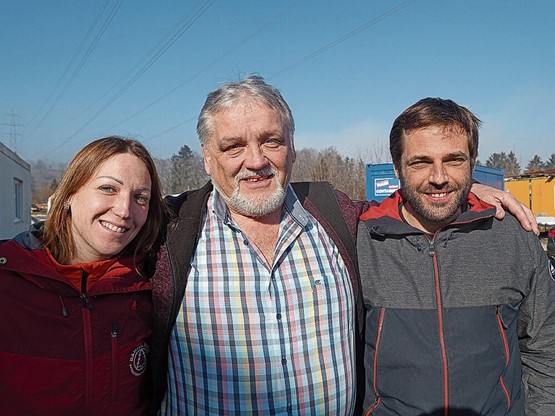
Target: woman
{"x": 75, "y": 308}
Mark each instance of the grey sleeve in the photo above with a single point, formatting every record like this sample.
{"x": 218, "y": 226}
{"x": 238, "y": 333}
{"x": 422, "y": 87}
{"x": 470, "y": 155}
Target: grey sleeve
{"x": 537, "y": 336}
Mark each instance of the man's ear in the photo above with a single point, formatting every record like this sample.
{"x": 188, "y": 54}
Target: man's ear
{"x": 396, "y": 171}
{"x": 206, "y": 159}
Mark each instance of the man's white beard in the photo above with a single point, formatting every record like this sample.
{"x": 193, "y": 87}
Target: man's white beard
{"x": 255, "y": 206}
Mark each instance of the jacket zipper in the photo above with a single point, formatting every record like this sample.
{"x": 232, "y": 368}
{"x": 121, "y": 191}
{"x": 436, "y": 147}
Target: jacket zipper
{"x": 506, "y": 351}
{"x": 87, "y": 341}
{"x": 432, "y": 253}
{"x": 114, "y": 334}
{"x": 378, "y": 339}
{"x": 87, "y": 333}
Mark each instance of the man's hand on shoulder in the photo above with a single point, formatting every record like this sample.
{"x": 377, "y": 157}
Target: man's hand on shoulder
{"x": 506, "y": 201}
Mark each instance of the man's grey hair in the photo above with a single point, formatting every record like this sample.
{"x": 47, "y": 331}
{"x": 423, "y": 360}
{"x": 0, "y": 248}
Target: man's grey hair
{"x": 225, "y": 97}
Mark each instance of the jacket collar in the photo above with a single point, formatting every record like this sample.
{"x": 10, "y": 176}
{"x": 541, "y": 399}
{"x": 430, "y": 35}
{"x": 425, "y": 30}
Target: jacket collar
{"x": 386, "y": 218}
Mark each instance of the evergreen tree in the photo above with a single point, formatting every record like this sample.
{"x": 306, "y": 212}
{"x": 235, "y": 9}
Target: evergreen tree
{"x": 512, "y": 167}
{"x": 507, "y": 162}
{"x": 497, "y": 160}
{"x": 550, "y": 163}
{"x": 535, "y": 164}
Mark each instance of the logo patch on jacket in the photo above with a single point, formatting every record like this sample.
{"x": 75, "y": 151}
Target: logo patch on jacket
{"x": 552, "y": 267}
{"x": 138, "y": 360}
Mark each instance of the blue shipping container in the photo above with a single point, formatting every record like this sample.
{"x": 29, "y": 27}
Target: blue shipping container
{"x": 381, "y": 181}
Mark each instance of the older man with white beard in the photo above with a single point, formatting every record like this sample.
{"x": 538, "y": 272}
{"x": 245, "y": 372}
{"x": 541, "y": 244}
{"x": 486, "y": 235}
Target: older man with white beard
{"x": 256, "y": 290}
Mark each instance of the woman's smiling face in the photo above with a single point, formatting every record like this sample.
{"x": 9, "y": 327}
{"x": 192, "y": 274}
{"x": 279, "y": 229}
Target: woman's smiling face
{"x": 110, "y": 209}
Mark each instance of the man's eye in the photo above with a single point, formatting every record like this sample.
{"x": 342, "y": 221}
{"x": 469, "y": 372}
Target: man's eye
{"x": 232, "y": 148}
{"x": 419, "y": 164}
{"x": 272, "y": 143}
{"x": 456, "y": 162}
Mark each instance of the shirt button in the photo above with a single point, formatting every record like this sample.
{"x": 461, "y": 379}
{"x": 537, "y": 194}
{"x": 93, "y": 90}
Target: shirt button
{"x": 289, "y": 408}
{"x": 278, "y": 316}
{"x": 245, "y": 242}
{"x": 283, "y": 360}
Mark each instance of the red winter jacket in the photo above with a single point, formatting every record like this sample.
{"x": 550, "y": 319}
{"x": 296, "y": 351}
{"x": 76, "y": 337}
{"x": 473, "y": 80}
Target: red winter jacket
{"x": 63, "y": 352}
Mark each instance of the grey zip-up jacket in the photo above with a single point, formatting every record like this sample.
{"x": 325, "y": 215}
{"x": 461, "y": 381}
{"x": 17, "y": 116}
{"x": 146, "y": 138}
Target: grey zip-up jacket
{"x": 458, "y": 323}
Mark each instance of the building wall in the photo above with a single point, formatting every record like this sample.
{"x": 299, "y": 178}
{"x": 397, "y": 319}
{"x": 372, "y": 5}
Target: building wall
{"x": 15, "y": 193}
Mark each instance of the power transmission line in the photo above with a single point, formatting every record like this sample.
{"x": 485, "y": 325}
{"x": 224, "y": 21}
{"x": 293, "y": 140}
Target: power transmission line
{"x": 13, "y": 134}
{"x": 83, "y": 60}
{"x": 243, "y": 41}
{"x": 288, "y": 68}
{"x": 343, "y": 38}
{"x": 140, "y": 72}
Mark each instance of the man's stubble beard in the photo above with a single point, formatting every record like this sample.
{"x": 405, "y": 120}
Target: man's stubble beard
{"x": 430, "y": 211}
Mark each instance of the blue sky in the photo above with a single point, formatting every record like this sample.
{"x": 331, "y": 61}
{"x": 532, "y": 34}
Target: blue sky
{"x": 75, "y": 71}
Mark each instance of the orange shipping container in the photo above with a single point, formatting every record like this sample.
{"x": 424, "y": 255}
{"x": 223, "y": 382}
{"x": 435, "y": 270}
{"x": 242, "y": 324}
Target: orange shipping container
{"x": 535, "y": 190}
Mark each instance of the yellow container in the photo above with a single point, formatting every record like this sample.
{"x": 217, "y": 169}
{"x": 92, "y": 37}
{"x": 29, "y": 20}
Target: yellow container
{"x": 537, "y": 192}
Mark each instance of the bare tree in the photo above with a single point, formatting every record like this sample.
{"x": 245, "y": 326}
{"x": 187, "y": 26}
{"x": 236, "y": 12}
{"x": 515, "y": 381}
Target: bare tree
{"x": 344, "y": 173}
{"x": 186, "y": 171}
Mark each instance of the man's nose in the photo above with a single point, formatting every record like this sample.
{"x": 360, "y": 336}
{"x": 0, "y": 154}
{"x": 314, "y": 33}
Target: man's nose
{"x": 438, "y": 175}
{"x": 255, "y": 158}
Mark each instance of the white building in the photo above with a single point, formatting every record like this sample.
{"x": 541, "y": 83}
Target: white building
{"x": 15, "y": 193}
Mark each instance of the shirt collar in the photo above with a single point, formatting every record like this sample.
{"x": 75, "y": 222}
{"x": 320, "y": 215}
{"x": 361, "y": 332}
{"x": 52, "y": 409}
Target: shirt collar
{"x": 292, "y": 206}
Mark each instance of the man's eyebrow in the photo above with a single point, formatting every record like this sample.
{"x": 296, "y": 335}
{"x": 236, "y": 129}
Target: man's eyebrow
{"x": 447, "y": 156}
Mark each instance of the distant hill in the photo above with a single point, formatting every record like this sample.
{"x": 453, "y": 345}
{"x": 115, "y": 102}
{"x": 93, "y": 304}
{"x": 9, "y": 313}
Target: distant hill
{"x": 45, "y": 177}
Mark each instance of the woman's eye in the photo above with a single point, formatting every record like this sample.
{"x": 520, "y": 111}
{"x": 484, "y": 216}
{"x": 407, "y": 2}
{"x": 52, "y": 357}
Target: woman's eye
{"x": 142, "y": 199}
{"x": 107, "y": 188}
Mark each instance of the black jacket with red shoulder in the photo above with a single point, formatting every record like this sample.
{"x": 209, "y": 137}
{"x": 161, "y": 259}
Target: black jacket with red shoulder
{"x": 461, "y": 322}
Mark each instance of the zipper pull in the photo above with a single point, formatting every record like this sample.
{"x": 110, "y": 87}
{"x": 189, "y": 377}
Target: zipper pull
{"x": 432, "y": 248}
{"x": 88, "y": 304}
{"x": 65, "y": 312}
{"x": 114, "y": 330}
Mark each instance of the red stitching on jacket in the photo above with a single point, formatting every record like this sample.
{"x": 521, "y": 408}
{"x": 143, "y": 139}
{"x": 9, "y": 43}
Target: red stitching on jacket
{"x": 506, "y": 350}
{"x": 378, "y": 337}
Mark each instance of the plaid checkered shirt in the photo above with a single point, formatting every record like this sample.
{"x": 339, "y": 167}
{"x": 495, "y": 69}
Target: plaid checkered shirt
{"x": 259, "y": 339}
